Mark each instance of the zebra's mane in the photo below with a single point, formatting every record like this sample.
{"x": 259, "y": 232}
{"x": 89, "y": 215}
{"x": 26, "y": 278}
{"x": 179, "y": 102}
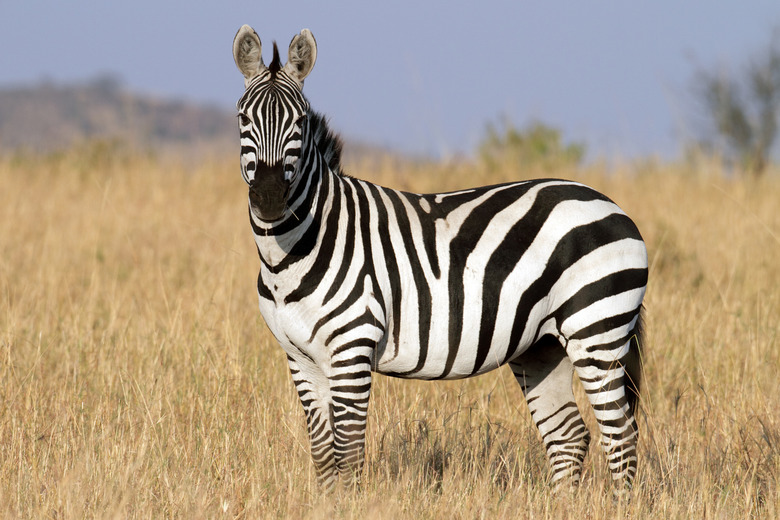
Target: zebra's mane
{"x": 327, "y": 142}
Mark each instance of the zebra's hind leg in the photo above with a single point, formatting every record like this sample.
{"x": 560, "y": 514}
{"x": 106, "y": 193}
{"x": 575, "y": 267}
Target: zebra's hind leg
{"x": 545, "y": 375}
{"x": 607, "y": 365}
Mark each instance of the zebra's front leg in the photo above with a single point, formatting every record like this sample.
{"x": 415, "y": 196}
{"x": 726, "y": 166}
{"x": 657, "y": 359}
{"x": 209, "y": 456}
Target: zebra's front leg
{"x": 336, "y": 408}
{"x": 310, "y": 383}
{"x": 350, "y": 388}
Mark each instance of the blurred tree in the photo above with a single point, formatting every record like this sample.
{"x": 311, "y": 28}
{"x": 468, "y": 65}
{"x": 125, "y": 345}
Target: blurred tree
{"x": 742, "y": 113}
{"x": 538, "y": 145}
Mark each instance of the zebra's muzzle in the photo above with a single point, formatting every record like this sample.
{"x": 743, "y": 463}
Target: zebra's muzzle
{"x": 268, "y": 192}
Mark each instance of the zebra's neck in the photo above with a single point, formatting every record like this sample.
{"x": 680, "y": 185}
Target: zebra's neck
{"x": 288, "y": 240}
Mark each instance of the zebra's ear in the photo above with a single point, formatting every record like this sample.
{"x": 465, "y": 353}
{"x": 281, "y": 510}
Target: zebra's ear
{"x": 247, "y": 51}
{"x": 301, "y": 56}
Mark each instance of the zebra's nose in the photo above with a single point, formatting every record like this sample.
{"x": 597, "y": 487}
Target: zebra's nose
{"x": 268, "y": 191}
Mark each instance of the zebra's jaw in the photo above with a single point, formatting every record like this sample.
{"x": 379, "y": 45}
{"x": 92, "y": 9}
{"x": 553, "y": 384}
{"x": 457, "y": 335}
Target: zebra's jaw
{"x": 268, "y": 192}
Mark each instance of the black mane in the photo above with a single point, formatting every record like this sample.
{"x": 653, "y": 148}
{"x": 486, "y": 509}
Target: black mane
{"x": 276, "y": 63}
{"x": 328, "y": 143}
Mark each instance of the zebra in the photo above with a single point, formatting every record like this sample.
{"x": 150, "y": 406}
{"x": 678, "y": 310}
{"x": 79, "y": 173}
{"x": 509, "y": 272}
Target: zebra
{"x": 546, "y": 276}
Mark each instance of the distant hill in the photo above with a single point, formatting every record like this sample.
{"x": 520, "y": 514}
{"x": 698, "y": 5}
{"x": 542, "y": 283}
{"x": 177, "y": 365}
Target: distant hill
{"x": 48, "y": 117}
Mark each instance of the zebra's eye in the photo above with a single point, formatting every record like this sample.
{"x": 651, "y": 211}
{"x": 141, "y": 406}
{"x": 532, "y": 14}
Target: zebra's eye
{"x": 244, "y": 120}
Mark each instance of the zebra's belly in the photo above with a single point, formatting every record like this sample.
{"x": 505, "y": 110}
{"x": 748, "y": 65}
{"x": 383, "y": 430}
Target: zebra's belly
{"x": 444, "y": 359}
{"x": 409, "y": 361}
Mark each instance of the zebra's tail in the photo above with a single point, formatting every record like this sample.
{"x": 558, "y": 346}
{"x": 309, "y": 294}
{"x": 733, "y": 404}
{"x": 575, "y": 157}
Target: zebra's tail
{"x": 633, "y": 363}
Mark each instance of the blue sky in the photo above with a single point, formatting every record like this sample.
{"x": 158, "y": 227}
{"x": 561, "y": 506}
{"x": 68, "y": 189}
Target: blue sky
{"x": 421, "y": 77}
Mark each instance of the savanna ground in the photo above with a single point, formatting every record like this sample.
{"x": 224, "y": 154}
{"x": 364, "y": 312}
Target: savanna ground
{"x": 137, "y": 379}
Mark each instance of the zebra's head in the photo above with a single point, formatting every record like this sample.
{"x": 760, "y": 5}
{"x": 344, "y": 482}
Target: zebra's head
{"x": 271, "y": 116}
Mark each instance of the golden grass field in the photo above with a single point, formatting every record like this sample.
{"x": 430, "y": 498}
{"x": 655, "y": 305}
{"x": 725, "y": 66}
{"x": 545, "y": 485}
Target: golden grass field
{"x": 138, "y": 380}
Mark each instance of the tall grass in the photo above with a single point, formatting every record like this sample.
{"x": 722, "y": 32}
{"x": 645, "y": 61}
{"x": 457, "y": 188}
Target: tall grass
{"x": 137, "y": 378}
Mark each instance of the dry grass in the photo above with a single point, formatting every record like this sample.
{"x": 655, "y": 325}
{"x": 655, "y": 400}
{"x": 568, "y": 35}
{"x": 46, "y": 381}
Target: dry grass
{"x": 137, "y": 378}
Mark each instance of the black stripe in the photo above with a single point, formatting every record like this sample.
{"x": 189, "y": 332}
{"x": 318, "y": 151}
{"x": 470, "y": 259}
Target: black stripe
{"x": 424, "y": 301}
{"x": 369, "y": 269}
{"x": 605, "y": 347}
{"x": 352, "y": 402}
{"x": 355, "y": 343}
{"x": 609, "y": 285}
{"x": 389, "y": 258}
{"x": 360, "y": 374}
{"x": 262, "y": 290}
{"x": 355, "y": 389}
{"x": 427, "y": 222}
{"x": 349, "y": 243}
{"x": 606, "y": 324}
{"x": 357, "y": 360}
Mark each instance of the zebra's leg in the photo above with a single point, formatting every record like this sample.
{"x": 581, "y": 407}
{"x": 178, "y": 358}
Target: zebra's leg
{"x": 350, "y": 389}
{"x": 604, "y": 365}
{"x": 545, "y": 375}
{"x": 319, "y": 420}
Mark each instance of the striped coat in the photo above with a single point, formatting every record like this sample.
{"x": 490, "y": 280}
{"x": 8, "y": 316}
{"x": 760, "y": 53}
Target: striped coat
{"x": 547, "y": 276}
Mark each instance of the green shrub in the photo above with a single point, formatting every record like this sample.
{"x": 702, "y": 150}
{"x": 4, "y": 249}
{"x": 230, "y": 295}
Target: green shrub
{"x": 536, "y": 146}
